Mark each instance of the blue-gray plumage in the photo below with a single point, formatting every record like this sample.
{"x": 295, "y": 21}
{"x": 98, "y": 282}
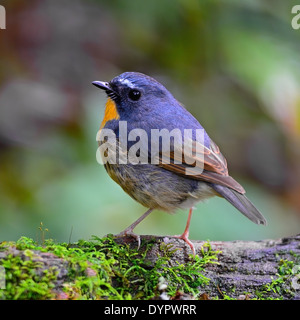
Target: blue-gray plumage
{"x": 146, "y": 104}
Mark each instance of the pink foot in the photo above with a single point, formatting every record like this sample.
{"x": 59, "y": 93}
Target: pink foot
{"x": 129, "y": 233}
{"x": 185, "y": 237}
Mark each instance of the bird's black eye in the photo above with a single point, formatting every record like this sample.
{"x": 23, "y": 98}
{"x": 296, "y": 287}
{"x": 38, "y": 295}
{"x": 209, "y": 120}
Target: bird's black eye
{"x": 134, "y": 94}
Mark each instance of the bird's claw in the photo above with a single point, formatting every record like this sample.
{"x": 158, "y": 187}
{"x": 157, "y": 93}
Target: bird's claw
{"x": 129, "y": 233}
{"x": 185, "y": 238}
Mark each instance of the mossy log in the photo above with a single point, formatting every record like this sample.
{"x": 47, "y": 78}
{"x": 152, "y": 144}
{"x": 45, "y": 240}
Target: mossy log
{"x": 245, "y": 269}
{"x": 268, "y": 269}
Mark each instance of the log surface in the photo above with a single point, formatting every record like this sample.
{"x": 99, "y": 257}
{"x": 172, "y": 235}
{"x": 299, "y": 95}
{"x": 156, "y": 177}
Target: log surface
{"x": 268, "y": 269}
{"x": 246, "y": 269}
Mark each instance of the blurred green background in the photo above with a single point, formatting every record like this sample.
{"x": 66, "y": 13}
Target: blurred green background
{"x": 234, "y": 64}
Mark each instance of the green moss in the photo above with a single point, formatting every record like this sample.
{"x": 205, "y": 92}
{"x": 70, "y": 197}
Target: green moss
{"x": 104, "y": 269}
{"x": 281, "y": 284}
{"x": 22, "y": 279}
{"x": 99, "y": 269}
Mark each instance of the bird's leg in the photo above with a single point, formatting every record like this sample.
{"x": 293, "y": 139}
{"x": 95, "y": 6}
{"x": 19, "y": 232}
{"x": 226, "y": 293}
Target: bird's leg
{"x": 129, "y": 231}
{"x": 185, "y": 235}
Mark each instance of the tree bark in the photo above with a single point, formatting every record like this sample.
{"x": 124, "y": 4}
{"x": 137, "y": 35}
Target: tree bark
{"x": 268, "y": 269}
{"x": 245, "y": 269}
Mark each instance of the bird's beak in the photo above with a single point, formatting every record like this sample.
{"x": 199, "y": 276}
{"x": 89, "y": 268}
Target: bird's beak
{"x": 102, "y": 85}
{"x": 107, "y": 87}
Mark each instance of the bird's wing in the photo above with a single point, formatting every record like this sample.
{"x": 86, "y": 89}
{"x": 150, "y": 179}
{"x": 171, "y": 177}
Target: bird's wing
{"x": 209, "y": 165}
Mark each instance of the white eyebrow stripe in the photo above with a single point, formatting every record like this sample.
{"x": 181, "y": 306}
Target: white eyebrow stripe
{"x": 127, "y": 82}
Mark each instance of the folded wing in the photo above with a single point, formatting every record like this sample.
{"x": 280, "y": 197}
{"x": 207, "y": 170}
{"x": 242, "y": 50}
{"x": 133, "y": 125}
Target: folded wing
{"x": 209, "y": 165}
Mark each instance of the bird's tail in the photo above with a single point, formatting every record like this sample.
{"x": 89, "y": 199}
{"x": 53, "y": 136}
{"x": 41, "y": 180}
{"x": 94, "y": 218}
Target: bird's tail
{"x": 241, "y": 202}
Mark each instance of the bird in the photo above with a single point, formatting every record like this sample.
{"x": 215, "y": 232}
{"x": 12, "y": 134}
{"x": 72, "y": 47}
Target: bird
{"x": 143, "y": 103}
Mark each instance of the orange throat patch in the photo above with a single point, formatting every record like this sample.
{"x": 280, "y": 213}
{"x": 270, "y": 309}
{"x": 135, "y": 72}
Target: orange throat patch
{"x": 110, "y": 113}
